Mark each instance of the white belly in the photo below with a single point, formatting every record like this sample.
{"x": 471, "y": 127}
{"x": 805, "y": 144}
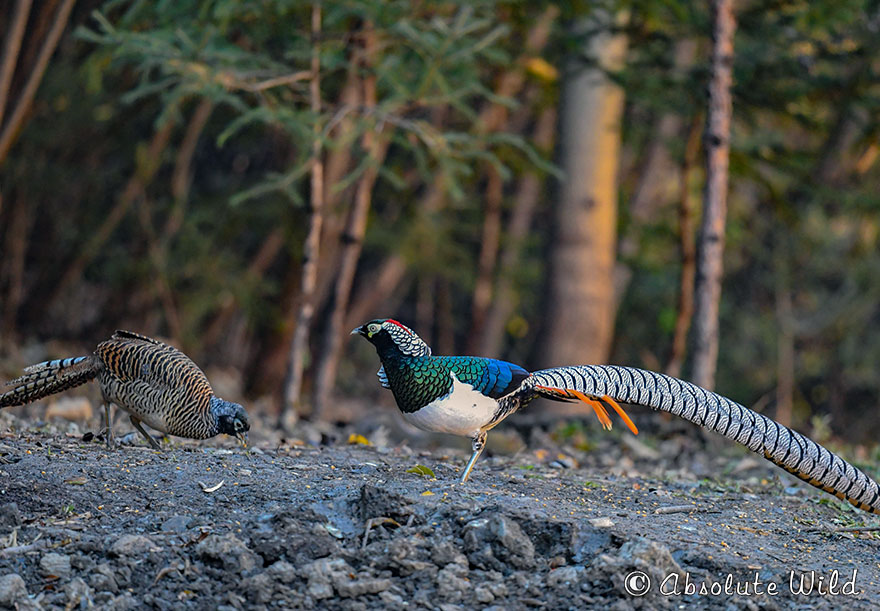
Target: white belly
{"x": 462, "y": 411}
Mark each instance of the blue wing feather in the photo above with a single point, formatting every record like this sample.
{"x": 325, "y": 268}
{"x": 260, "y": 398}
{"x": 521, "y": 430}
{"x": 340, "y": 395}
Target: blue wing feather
{"x": 491, "y": 377}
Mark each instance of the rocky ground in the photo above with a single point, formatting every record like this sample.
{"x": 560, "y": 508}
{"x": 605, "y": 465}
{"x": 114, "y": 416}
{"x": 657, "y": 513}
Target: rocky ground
{"x": 579, "y": 519}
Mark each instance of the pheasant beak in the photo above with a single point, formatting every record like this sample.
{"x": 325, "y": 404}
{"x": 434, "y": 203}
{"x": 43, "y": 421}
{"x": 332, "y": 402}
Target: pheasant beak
{"x": 242, "y": 437}
{"x": 355, "y": 331}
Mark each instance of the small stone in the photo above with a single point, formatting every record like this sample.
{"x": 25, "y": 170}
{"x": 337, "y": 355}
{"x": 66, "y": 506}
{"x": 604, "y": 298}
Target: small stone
{"x": 493, "y": 542}
{"x": 259, "y": 588}
{"x": 123, "y": 602}
{"x": 55, "y": 565}
{"x": 447, "y": 553}
{"x": 359, "y": 587}
{"x": 78, "y": 594}
{"x": 565, "y": 577}
{"x": 12, "y": 589}
{"x": 452, "y": 582}
{"x": 227, "y": 551}
{"x": 133, "y": 545}
{"x": 324, "y": 574}
{"x": 320, "y": 590}
{"x": 176, "y": 524}
{"x": 601, "y": 522}
{"x": 102, "y": 579}
{"x": 390, "y": 599}
{"x": 483, "y": 595}
{"x": 282, "y": 571}
{"x": 10, "y": 517}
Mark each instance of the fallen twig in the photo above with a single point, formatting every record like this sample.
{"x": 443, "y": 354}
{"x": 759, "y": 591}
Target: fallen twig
{"x": 214, "y": 488}
{"x": 22, "y": 549}
{"x": 677, "y": 509}
{"x": 844, "y": 529}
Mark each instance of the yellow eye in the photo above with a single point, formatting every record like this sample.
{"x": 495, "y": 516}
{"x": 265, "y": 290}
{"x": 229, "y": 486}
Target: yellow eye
{"x": 373, "y": 328}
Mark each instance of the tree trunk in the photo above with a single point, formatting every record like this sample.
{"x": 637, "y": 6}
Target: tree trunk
{"x": 656, "y": 182}
{"x": 580, "y": 308}
{"x": 16, "y": 121}
{"x": 375, "y": 146}
{"x": 18, "y": 238}
{"x": 785, "y": 339}
{"x": 8, "y": 60}
{"x": 493, "y": 118}
{"x": 524, "y": 204}
{"x": 687, "y": 249}
{"x": 311, "y": 249}
{"x": 144, "y": 171}
{"x": 710, "y": 248}
{"x": 371, "y": 296}
{"x": 489, "y": 244}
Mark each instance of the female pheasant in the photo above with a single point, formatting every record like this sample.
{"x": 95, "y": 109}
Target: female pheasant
{"x": 155, "y": 383}
{"x": 468, "y": 396}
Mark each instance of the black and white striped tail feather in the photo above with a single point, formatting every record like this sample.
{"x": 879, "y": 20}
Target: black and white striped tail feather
{"x": 789, "y": 449}
{"x": 48, "y": 378}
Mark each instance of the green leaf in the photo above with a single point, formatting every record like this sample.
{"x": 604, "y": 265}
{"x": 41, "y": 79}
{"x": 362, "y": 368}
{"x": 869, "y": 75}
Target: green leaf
{"x": 422, "y": 470}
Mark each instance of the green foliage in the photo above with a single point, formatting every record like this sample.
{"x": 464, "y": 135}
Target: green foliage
{"x": 802, "y": 212}
{"x": 254, "y": 58}
{"x": 803, "y": 209}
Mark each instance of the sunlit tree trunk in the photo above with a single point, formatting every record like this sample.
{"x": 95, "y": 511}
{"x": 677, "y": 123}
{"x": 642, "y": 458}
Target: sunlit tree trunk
{"x": 580, "y": 308}
{"x": 710, "y": 247}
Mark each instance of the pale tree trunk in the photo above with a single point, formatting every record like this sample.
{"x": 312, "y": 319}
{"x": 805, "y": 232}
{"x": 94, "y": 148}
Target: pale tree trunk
{"x": 710, "y": 248}
{"x": 375, "y": 146}
{"x": 338, "y": 164}
{"x": 311, "y": 249}
{"x": 580, "y": 308}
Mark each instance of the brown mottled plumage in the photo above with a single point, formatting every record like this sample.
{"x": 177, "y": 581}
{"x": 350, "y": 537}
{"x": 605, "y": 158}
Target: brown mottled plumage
{"x": 155, "y": 383}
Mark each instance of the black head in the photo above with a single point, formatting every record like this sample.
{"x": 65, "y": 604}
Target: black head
{"x": 231, "y": 419}
{"x": 388, "y": 335}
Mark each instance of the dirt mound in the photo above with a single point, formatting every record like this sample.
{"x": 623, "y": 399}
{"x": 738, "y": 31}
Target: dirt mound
{"x": 348, "y": 527}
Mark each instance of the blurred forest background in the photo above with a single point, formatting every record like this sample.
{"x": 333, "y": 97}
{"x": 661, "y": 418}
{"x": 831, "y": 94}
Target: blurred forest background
{"x": 251, "y": 179}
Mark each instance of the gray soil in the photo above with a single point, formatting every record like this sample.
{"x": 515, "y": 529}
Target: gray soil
{"x": 559, "y": 525}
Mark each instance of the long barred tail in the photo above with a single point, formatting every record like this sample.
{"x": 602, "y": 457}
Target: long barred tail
{"x": 789, "y": 449}
{"x": 48, "y": 378}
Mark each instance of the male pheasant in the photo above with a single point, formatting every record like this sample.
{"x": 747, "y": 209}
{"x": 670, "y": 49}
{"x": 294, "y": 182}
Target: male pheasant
{"x": 468, "y": 396}
{"x": 152, "y": 381}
